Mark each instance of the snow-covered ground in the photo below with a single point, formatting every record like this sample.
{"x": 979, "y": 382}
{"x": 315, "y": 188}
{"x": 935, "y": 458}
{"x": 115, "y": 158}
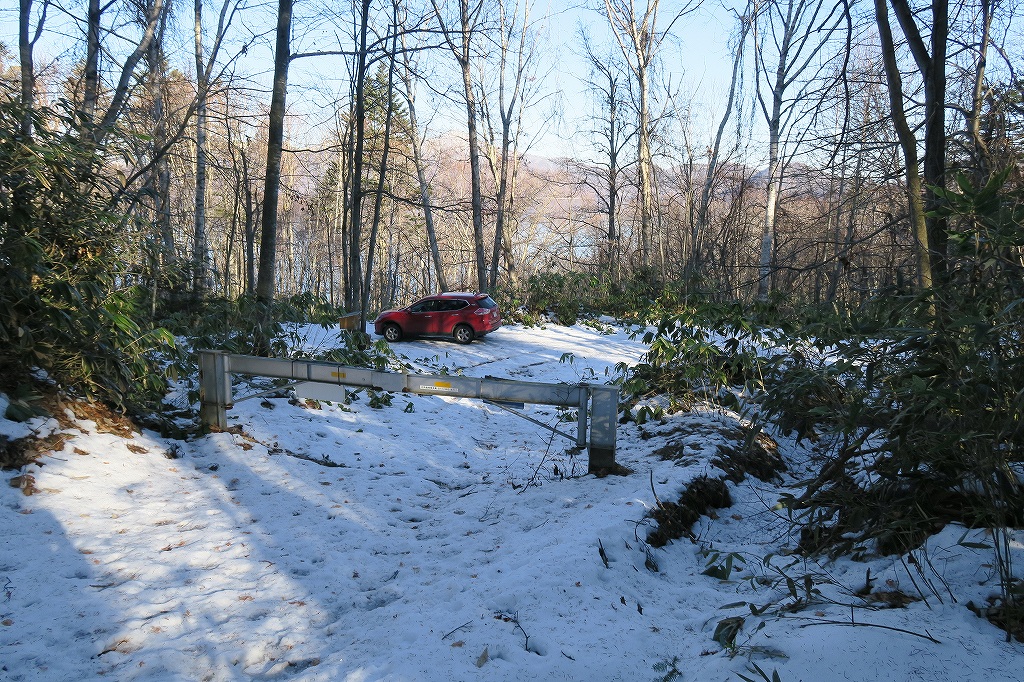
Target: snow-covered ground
{"x": 442, "y": 545}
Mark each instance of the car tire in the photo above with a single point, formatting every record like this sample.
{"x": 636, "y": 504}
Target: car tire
{"x": 392, "y": 333}
{"x": 463, "y": 333}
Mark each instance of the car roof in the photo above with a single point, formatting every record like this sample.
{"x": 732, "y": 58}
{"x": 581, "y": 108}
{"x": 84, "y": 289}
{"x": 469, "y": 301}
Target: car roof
{"x": 459, "y": 294}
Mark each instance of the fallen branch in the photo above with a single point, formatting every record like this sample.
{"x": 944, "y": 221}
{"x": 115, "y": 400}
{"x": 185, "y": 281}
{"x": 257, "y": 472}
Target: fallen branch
{"x": 872, "y": 625}
{"x": 657, "y": 502}
{"x": 456, "y": 630}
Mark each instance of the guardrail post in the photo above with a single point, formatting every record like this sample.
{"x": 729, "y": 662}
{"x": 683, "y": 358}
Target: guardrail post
{"x": 214, "y": 389}
{"x": 604, "y": 413}
{"x": 581, "y": 423}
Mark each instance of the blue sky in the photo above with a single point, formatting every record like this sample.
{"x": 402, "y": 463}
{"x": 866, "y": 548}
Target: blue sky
{"x": 696, "y": 61}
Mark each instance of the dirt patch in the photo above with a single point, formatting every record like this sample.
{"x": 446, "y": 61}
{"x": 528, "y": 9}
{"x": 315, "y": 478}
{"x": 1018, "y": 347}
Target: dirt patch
{"x": 732, "y": 447}
{"x": 16, "y": 453}
{"x": 757, "y": 456}
{"x": 106, "y": 419}
{"x": 727, "y": 445}
{"x": 613, "y": 470}
{"x": 676, "y": 519}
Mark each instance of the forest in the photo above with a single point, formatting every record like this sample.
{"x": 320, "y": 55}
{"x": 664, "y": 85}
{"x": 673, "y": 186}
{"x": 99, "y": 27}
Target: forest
{"x": 852, "y": 184}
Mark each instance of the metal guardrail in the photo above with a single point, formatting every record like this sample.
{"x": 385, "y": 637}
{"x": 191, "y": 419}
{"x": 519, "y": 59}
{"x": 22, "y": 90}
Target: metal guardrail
{"x": 600, "y": 402}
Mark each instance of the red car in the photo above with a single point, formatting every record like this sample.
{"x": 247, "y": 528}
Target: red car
{"x": 463, "y": 316}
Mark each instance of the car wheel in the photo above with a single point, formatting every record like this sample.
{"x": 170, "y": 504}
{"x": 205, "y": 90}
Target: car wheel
{"x": 392, "y": 333}
{"x": 463, "y": 333}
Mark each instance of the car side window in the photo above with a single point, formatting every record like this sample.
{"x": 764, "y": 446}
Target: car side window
{"x": 452, "y": 306}
{"x": 423, "y": 307}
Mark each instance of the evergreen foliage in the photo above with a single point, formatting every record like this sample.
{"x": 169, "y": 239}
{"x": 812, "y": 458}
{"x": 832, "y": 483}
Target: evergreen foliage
{"x": 247, "y": 325}
{"x": 67, "y": 305}
{"x": 918, "y": 400}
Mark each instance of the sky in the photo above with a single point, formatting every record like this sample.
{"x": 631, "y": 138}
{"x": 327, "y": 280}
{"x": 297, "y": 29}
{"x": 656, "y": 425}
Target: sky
{"x": 696, "y": 61}
{"x": 444, "y": 539}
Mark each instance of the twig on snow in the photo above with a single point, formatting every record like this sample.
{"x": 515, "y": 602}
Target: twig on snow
{"x": 657, "y": 501}
{"x": 872, "y": 625}
{"x": 456, "y": 630}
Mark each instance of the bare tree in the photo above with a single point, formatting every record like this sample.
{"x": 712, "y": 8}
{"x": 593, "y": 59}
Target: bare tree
{"x": 159, "y": 179}
{"x": 639, "y": 38}
{"x": 516, "y": 67}
{"x": 612, "y": 135}
{"x": 204, "y": 72}
{"x": 791, "y": 43}
{"x": 929, "y": 232}
{"x": 701, "y": 224}
{"x": 409, "y": 93}
{"x": 389, "y": 115}
{"x": 459, "y": 40}
{"x": 99, "y": 126}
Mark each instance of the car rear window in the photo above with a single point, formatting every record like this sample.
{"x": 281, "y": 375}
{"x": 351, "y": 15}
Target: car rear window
{"x": 487, "y": 302}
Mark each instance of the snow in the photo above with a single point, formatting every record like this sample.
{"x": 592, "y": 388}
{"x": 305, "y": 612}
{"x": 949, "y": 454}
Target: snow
{"x": 443, "y": 546}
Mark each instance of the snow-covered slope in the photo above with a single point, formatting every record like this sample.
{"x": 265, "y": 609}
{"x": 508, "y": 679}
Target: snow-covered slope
{"x": 435, "y": 541}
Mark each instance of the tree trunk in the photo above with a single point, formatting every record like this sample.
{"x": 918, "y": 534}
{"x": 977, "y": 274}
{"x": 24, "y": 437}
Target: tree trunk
{"x": 359, "y": 130}
{"x": 908, "y": 142}
{"x": 199, "y": 245}
{"x": 421, "y": 176}
{"x": 982, "y": 154}
{"x": 265, "y": 283}
{"x": 159, "y": 180}
{"x": 645, "y": 163}
{"x": 701, "y": 224}
{"x": 382, "y": 174}
{"x": 91, "y": 87}
{"x": 474, "y": 149}
{"x": 460, "y": 45}
{"x": 28, "y": 77}
{"x": 250, "y": 225}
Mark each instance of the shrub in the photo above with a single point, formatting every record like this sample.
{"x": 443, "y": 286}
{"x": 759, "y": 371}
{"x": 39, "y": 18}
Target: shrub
{"x": 66, "y": 303}
{"x": 933, "y": 431}
{"x": 695, "y": 353}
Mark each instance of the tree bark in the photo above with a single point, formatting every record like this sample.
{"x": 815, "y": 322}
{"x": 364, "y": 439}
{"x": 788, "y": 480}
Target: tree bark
{"x": 91, "y": 87}
{"x": 474, "y": 145}
{"x": 460, "y": 44}
{"x": 26, "y": 45}
{"x": 983, "y": 156}
{"x": 119, "y": 95}
{"x": 908, "y": 142}
{"x": 199, "y": 245}
{"x": 265, "y": 282}
{"x": 932, "y": 68}
{"x": 359, "y": 131}
{"x": 421, "y": 176}
{"x": 382, "y": 174}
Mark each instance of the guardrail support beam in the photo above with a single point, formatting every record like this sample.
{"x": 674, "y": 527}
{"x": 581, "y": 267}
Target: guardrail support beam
{"x": 216, "y": 367}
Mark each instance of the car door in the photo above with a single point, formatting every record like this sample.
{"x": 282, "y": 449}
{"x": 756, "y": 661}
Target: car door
{"x": 422, "y": 317}
{"x": 452, "y": 312}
